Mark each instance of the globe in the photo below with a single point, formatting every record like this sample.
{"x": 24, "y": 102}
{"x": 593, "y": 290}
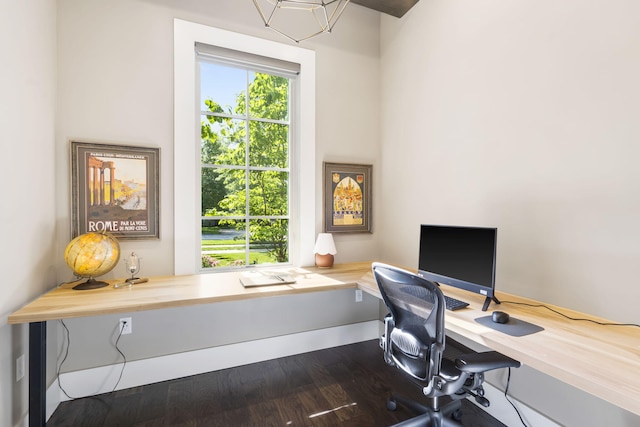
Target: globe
{"x": 92, "y": 255}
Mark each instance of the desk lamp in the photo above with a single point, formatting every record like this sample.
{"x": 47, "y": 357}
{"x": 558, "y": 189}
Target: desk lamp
{"x": 325, "y": 249}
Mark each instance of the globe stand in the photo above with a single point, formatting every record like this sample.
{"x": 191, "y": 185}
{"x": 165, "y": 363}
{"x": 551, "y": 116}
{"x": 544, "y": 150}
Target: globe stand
{"x": 91, "y": 283}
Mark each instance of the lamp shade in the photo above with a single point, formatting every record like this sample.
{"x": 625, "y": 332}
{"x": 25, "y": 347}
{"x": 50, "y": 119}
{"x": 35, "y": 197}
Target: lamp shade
{"x": 325, "y": 245}
{"x": 324, "y": 249}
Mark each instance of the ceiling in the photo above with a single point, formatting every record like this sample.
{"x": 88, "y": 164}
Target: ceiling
{"x": 395, "y": 8}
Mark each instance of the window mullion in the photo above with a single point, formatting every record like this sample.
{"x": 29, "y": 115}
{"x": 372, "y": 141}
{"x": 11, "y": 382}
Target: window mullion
{"x": 247, "y": 172}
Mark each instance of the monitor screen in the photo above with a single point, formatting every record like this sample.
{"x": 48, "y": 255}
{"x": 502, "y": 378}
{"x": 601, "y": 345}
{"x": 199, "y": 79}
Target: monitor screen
{"x": 464, "y": 257}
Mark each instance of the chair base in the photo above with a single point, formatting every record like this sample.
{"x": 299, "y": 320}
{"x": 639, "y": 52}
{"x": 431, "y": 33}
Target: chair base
{"x": 447, "y": 416}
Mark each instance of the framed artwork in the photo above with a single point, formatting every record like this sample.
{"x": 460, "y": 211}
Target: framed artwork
{"x": 115, "y": 188}
{"x": 347, "y": 197}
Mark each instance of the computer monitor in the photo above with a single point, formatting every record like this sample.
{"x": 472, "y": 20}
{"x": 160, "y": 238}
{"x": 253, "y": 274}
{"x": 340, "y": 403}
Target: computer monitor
{"x": 463, "y": 257}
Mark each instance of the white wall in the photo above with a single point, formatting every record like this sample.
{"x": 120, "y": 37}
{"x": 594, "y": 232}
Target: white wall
{"x": 116, "y": 85}
{"x": 521, "y": 115}
{"x": 27, "y": 85}
{"x": 115, "y": 77}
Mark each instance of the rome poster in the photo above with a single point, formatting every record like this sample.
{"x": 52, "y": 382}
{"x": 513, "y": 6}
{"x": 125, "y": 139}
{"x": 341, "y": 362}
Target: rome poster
{"x": 347, "y": 197}
{"x": 115, "y": 190}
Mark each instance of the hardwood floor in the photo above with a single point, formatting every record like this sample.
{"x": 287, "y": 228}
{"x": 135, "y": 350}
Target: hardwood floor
{"x": 345, "y": 386}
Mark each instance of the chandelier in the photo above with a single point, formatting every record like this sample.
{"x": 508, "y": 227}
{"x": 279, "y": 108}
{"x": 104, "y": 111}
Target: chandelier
{"x": 300, "y": 20}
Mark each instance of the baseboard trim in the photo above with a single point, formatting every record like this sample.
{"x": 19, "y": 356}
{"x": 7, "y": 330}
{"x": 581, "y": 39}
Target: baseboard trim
{"x": 93, "y": 381}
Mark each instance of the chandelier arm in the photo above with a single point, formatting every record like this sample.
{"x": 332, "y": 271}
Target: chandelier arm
{"x": 257, "y": 5}
{"x": 337, "y": 18}
{"x": 323, "y": 24}
{"x": 273, "y": 14}
{"x": 324, "y": 19}
{"x": 285, "y": 35}
{"x": 312, "y": 35}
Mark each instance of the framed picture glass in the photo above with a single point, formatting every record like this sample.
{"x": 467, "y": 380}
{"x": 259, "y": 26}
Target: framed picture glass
{"x": 115, "y": 188}
{"x": 347, "y": 197}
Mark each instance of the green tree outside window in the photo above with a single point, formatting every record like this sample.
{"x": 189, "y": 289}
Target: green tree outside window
{"x": 245, "y": 173}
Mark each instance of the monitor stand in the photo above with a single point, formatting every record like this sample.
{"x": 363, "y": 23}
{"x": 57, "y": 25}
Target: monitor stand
{"x": 487, "y": 301}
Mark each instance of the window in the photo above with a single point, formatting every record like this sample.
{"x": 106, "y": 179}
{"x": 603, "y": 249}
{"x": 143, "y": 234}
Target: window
{"x": 300, "y": 171}
{"x": 245, "y": 148}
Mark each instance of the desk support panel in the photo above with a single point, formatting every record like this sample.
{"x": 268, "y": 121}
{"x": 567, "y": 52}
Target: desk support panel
{"x": 37, "y": 373}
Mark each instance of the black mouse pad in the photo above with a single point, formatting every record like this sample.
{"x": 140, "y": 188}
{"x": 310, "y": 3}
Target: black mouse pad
{"x": 514, "y": 327}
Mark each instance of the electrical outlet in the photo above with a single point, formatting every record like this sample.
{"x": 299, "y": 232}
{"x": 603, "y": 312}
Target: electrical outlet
{"x": 358, "y": 295}
{"x": 125, "y": 326}
{"x": 20, "y": 368}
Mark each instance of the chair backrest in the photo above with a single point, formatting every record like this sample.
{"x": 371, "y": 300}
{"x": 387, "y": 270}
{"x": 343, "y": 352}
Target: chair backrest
{"x": 414, "y": 332}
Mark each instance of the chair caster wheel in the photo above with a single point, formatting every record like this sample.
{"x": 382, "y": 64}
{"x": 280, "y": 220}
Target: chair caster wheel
{"x": 457, "y": 415}
{"x": 391, "y": 405}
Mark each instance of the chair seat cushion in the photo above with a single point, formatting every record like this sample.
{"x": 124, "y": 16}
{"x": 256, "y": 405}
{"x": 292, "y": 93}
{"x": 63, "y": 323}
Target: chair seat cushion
{"x": 448, "y": 370}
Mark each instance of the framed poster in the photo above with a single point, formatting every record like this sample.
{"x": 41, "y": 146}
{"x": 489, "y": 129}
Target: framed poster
{"x": 347, "y": 197}
{"x": 115, "y": 188}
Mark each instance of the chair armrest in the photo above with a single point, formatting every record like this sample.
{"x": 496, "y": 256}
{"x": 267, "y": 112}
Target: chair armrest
{"x": 385, "y": 340}
{"x": 484, "y": 361}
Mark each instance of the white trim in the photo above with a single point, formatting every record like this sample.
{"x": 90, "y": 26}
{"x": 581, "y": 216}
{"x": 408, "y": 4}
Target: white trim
{"x": 186, "y": 157}
{"x": 147, "y": 371}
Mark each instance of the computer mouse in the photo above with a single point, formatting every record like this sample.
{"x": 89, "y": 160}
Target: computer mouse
{"x": 500, "y": 317}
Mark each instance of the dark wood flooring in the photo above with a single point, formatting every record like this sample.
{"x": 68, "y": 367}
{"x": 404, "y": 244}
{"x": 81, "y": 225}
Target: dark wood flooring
{"x": 341, "y": 386}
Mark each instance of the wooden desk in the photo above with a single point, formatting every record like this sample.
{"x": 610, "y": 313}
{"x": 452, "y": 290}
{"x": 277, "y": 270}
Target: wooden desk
{"x": 601, "y": 360}
{"x": 160, "y": 292}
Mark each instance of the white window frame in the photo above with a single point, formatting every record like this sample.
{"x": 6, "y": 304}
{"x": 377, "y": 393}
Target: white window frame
{"x": 187, "y": 240}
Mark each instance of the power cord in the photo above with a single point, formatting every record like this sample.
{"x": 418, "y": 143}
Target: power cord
{"x": 124, "y": 358}
{"x": 572, "y": 318}
{"x": 68, "y": 342}
{"x": 66, "y": 354}
{"x": 506, "y": 390}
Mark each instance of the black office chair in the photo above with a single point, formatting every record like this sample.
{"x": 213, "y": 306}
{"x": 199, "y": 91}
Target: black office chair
{"x": 414, "y": 342}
